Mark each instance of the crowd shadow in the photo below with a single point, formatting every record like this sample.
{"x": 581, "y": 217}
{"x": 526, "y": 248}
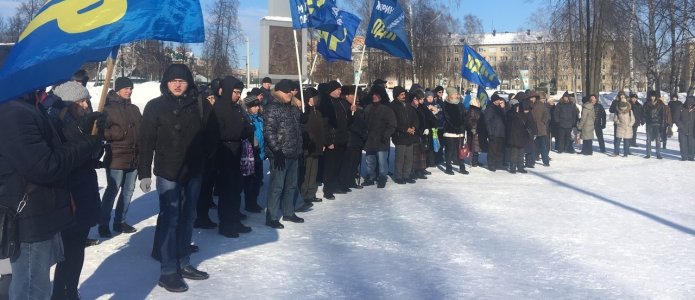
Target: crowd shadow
{"x": 648, "y": 215}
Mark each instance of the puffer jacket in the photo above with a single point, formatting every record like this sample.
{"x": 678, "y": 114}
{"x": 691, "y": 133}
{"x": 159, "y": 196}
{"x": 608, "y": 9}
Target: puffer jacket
{"x": 282, "y": 129}
{"x": 122, "y": 129}
{"x": 587, "y": 122}
{"x": 566, "y": 115}
{"x": 381, "y": 124}
{"x": 624, "y": 120}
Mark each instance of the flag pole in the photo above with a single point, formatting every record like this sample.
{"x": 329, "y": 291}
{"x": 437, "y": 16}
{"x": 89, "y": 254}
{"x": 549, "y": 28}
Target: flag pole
{"x": 357, "y": 81}
{"x": 299, "y": 69}
{"x": 313, "y": 64}
{"x": 104, "y": 89}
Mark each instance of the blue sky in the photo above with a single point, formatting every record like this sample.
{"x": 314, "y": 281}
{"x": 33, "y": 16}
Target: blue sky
{"x": 506, "y": 15}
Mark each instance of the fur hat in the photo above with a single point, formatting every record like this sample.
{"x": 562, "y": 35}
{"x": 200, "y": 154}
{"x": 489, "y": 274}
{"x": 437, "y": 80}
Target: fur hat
{"x": 379, "y": 82}
{"x": 309, "y": 93}
{"x": 71, "y": 91}
{"x": 438, "y": 89}
{"x": 397, "y": 91}
{"x": 122, "y": 82}
{"x": 381, "y": 91}
{"x": 284, "y": 86}
{"x": 451, "y": 91}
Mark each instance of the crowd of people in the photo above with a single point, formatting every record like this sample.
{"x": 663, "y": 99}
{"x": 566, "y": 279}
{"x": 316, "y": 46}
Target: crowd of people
{"x": 209, "y": 140}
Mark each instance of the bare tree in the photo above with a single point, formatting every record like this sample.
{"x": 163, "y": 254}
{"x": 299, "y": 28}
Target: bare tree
{"x": 221, "y": 36}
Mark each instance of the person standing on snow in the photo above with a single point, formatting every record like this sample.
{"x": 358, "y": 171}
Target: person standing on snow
{"x": 686, "y": 129}
{"x": 599, "y": 122}
{"x": 586, "y": 125}
{"x": 655, "y": 118}
{"x": 624, "y": 120}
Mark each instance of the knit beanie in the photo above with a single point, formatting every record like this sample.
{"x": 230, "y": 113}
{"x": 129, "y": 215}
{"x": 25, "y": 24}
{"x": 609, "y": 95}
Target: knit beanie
{"x": 429, "y": 94}
{"x": 332, "y": 86}
{"x": 71, "y": 91}
{"x": 451, "y": 91}
{"x": 123, "y": 82}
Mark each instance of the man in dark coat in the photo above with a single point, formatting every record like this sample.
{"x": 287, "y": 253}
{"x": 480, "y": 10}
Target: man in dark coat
{"x": 35, "y": 163}
{"x": 357, "y": 135}
{"x": 234, "y": 127}
{"x": 655, "y": 118}
{"x": 599, "y": 122}
{"x": 541, "y": 118}
{"x": 639, "y": 117}
{"x": 121, "y": 130}
{"x": 314, "y": 138}
{"x": 404, "y": 137}
{"x": 266, "y": 90}
{"x": 494, "y": 122}
{"x": 381, "y": 124}
{"x": 518, "y": 133}
{"x": 686, "y": 128}
{"x": 337, "y": 117}
{"x": 566, "y": 116}
{"x": 173, "y": 124}
{"x": 283, "y": 141}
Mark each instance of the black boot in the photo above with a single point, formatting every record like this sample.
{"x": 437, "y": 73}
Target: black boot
{"x": 474, "y": 160}
{"x": 462, "y": 169}
{"x": 512, "y": 168}
{"x": 192, "y": 273}
{"x": 173, "y": 283}
{"x": 381, "y": 182}
{"x": 449, "y": 170}
{"x": 521, "y": 169}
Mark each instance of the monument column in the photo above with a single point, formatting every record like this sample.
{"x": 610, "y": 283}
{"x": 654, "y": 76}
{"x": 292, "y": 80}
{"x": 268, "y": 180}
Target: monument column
{"x": 277, "y": 52}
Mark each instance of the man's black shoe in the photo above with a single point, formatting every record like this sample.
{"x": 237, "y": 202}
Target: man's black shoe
{"x": 104, "y": 232}
{"x": 305, "y": 207}
{"x": 173, "y": 283}
{"x": 227, "y": 232}
{"x": 274, "y": 224}
{"x": 240, "y": 228}
{"x": 293, "y": 219}
{"x": 659, "y": 157}
{"x": 254, "y": 209}
{"x": 410, "y": 180}
{"x": 427, "y": 172}
{"x": 329, "y": 196}
{"x": 368, "y": 182}
{"x": 92, "y": 242}
{"x": 341, "y": 191}
{"x": 316, "y": 199}
{"x": 381, "y": 184}
{"x": 449, "y": 172}
{"x": 399, "y": 181}
{"x": 189, "y": 272}
{"x": 357, "y": 187}
{"x": 204, "y": 224}
{"x": 124, "y": 228}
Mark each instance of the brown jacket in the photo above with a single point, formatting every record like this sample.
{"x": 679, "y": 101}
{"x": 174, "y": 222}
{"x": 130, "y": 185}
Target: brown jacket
{"x": 121, "y": 130}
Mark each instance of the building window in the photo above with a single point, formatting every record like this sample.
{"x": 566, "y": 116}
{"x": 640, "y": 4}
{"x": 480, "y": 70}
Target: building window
{"x": 456, "y": 59}
{"x": 515, "y": 48}
{"x": 481, "y": 49}
{"x": 448, "y": 59}
{"x": 456, "y": 50}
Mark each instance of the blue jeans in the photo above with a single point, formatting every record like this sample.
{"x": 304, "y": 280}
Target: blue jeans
{"x": 372, "y": 158}
{"x": 31, "y": 270}
{"x": 177, "y": 202}
{"x": 115, "y": 180}
{"x": 282, "y": 188}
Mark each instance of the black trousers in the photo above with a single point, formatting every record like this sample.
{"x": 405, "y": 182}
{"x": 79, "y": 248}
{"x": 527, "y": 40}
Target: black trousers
{"x": 210, "y": 173}
{"x": 67, "y": 273}
{"x": 599, "y": 137}
{"x": 495, "y": 155}
{"x": 354, "y": 156}
{"x": 587, "y": 147}
{"x": 252, "y": 184}
{"x": 230, "y": 186}
{"x": 565, "y": 140}
{"x": 452, "y": 151}
{"x": 335, "y": 167}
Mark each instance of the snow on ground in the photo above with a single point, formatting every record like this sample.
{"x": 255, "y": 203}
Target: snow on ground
{"x": 585, "y": 228}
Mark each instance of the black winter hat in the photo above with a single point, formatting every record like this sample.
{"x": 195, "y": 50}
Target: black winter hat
{"x": 256, "y": 91}
{"x": 380, "y": 82}
{"x": 397, "y": 91}
{"x": 416, "y": 87}
{"x": 251, "y": 101}
{"x": 123, "y": 82}
{"x": 284, "y": 86}
{"x": 652, "y": 93}
{"x": 310, "y": 92}
{"x": 177, "y": 71}
{"x": 633, "y": 95}
{"x": 438, "y": 89}
{"x": 267, "y": 80}
{"x": 347, "y": 90}
{"x": 332, "y": 86}
{"x": 229, "y": 84}
{"x": 381, "y": 91}
{"x": 495, "y": 97}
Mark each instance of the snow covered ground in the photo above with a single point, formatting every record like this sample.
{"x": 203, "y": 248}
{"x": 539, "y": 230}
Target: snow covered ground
{"x": 585, "y": 228}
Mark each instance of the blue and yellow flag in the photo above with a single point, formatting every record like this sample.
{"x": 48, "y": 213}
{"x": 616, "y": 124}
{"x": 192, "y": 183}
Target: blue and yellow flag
{"x": 319, "y": 14}
{"x": 476, "y": 69}
{"x": 386, "y": 30}
{"x": 483, "y": 97}
{"x": 337, "y": 45}
{"x": 66, "y": 34}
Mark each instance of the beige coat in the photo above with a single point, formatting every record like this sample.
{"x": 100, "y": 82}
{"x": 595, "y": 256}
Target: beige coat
{"x": 586, "y": 123}
{"x": 624, "y": 119}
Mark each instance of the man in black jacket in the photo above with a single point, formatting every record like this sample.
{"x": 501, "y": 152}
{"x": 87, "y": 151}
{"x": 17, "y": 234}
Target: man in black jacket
{"x": 404, "y": 137}
{"x": 337, "y": 117}
{"x": 639, "y": 117}
{"x": 599, "y": 122}
{"x": 494, "y": 121}
{"x": 313, "y": 137}
{"x": 685, "y": 120}
{"x": 283, "y": 141}
{"x": 35, "y": 166}
{"x": 566, "y": 115}
{"x": 233, "y": 128}
{"x": 655, "y": 118}
{"x": 174, "y": 132}
{"x": 381, "y": 124}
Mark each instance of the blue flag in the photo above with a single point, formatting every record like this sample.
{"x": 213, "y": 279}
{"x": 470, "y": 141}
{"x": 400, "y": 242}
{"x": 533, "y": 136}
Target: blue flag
{"x": 320, "y": 14}
{"x": 477, "y": 70}
{"x": 337, "y": 45}
{"x": 386, "y": 30}
{"x": 483, "y": 97}
{"x": 66, "y": 34}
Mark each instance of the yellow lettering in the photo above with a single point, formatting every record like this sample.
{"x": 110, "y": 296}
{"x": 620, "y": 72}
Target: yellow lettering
{"x": 332, "y": 40}
{"x": 310, "y": 3}
{"x": 71, "y": 18}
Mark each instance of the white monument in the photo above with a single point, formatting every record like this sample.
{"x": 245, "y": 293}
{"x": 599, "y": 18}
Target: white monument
{"x": 277, "y": 53}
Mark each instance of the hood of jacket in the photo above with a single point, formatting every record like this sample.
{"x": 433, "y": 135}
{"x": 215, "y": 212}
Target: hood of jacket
{"x": 381, "y": 91}
{"x": 177, "y": 71}
{"x": 228, "y": 85}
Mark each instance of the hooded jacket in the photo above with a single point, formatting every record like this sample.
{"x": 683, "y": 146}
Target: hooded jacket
{"x": 234, "y": 126}
{"x": 179, "y": 132}
{"x": 381, "y": 122}
{"x": 122, "y": 129}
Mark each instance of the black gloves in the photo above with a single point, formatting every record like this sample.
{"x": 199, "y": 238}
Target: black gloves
{"x": 279, "y": 160}
{"x": 96, "y": 145}
{"x": 87, "y": 122}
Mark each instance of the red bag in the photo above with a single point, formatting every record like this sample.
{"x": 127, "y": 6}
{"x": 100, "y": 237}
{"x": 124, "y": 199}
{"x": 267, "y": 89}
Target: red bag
{"x": 464, "y": 152}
